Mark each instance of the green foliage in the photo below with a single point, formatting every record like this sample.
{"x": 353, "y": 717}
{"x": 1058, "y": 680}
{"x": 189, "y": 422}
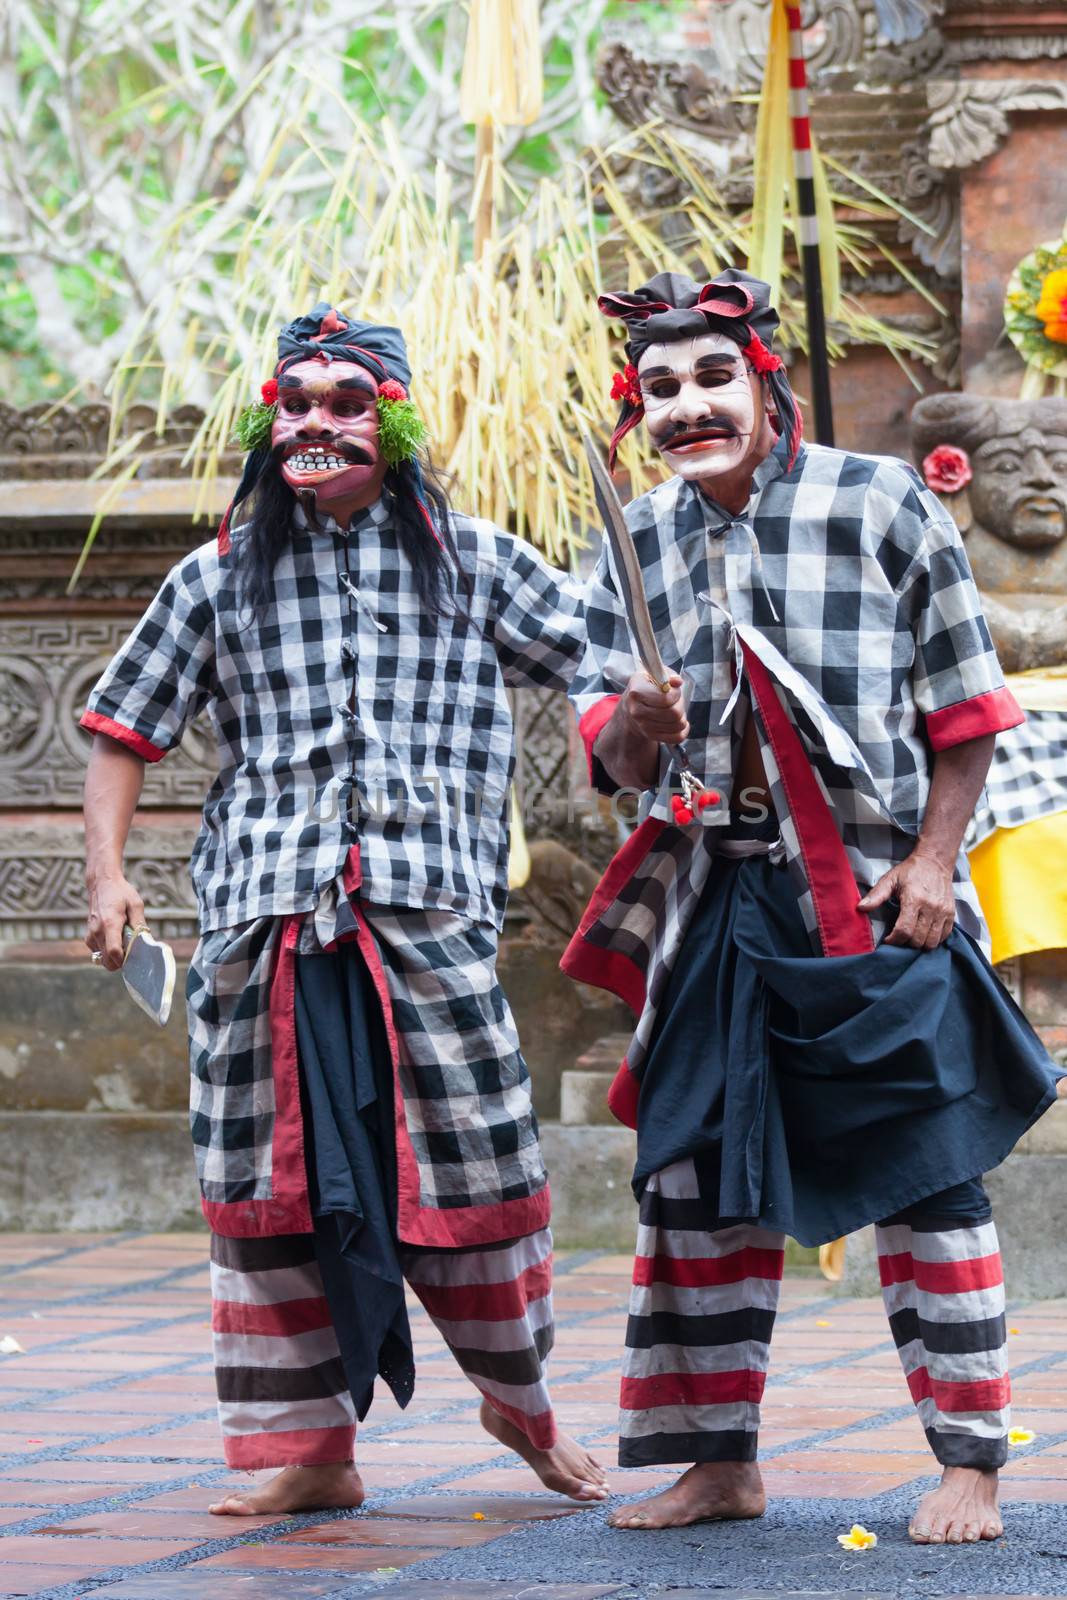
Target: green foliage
{"x": 253, "y": 426}
{"x": 401, "y": 431}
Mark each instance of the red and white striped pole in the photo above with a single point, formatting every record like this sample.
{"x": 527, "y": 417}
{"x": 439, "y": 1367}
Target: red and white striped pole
{"x": 808, "y": 231}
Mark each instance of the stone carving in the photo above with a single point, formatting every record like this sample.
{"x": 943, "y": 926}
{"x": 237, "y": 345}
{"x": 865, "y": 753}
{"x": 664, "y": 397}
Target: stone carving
{"x": 969, "y": 120}
{"x": 926, "y": 193}
{"x": 42, "y": 880}
{"x": 641, "y": 90}
{"x": 47, "y": 441}
{"x": 1013, "y": 514}
{"x": 47, "y": 667}
{"x": 557, "y": 892}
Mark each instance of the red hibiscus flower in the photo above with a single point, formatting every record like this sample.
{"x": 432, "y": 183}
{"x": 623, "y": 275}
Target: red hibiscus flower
{"x": 624, "y": 385}
{"x": 759, "y": 358}
{"x": 268, "y": 392}
{"x": 392, "y": 390}
{"x": 947, "y": 469}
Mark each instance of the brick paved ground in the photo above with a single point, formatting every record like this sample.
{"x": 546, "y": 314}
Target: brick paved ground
{"x": 110, "y": 1457}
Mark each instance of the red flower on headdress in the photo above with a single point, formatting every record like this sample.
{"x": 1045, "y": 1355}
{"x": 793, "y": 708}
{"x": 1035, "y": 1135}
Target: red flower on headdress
{"x": 759, "y": 358}
{"x": 624, "y": 385}
{"x": 947, "y": 469}
{"x": 391, "y": 389}
{"x": 268, "y": 392}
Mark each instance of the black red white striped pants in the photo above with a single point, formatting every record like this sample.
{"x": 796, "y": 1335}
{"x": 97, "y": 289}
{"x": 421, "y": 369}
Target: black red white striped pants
{"x": 283, "y": 1399}
{"x": 703, "y": 1305}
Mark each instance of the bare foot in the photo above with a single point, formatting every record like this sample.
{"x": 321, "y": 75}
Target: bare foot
{"x": 961, "y": 1510}
{"x": 566, "y": 1468}
{"x": 712, "y": 1491}
{"x": 298, "y": 1489}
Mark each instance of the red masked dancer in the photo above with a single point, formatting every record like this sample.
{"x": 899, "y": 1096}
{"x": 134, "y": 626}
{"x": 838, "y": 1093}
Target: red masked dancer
{"x": 821, "y": 1042}
{"x": 361, "y": 1111}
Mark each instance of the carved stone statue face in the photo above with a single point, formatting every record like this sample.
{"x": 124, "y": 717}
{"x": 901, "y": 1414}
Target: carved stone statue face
{"x": 1013, "y": 513}
{"x": 1020, "y": 486}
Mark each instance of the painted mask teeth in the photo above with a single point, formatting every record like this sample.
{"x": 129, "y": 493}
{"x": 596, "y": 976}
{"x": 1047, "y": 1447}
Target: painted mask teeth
{"x": 316, "y": 461}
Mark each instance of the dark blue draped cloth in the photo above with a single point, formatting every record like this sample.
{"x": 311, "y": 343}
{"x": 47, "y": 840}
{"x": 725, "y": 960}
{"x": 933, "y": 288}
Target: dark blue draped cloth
{"x": 820, "y": 1093}
{"x": 347, "y": 1091}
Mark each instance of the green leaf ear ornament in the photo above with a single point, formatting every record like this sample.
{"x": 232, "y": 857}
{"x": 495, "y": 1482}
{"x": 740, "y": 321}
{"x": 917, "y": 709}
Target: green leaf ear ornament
{"x": 253, "y": 426}
{"x": 400, "y": 428}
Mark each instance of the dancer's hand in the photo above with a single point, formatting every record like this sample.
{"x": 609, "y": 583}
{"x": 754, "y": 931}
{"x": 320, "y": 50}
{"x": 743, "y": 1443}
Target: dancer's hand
{"x": 655, "y": 713}
{"x": 113, "y": 902}
{"x": 923, "y": 886}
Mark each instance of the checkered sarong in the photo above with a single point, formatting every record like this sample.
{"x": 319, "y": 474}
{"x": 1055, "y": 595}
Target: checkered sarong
{"x": 1028, "y": 777}
{"x": 469, "y": 1162}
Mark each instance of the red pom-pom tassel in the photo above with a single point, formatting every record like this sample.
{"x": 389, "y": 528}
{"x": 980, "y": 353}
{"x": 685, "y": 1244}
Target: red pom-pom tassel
{"x": 710, "y": 797}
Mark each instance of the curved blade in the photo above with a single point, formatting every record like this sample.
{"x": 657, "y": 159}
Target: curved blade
{"x": 627, "y": 566}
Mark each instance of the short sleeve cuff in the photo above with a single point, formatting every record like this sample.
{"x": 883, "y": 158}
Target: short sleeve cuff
{"x": 96, "y": 722}
{"x": 590, "y": 727}
{"x": 994, "y": 712}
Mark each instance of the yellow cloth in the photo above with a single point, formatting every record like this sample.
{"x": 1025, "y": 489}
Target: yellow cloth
{"x": 1021, "y": 878}
{"x": 1041, "y": 689}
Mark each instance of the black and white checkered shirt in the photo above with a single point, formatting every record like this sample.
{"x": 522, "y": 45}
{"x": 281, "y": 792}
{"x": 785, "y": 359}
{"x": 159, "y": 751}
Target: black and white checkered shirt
{"x": 849, "y": 580}
{"x": 344, "y": 714}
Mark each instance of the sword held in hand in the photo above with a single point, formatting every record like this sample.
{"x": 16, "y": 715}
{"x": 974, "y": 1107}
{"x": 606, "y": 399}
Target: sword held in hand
{"x": 694, "y": 795}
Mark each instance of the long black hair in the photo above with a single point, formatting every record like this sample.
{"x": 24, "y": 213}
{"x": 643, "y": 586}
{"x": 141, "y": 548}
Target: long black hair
{"x": 422, "y": 515}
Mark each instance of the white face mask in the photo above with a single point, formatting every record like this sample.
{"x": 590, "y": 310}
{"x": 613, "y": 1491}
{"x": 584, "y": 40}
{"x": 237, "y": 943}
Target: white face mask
{"x": 701, "y": 404}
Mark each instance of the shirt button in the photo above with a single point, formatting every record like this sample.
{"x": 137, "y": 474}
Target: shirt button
{"x": 348, "y": 650}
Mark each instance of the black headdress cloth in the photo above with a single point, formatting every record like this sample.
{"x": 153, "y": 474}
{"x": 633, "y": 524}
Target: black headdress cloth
{"x": 324, "y": 331}
{"x": 671, "y": 306}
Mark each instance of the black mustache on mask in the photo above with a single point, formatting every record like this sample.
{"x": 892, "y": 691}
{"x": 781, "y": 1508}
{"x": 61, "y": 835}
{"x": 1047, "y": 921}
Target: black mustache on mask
{"x": 714, "y": 427}
{"x": 354, "y": 454}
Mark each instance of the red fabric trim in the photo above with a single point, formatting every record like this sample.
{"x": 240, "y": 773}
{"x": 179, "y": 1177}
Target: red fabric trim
{"x": 430, "y": 523}
{"x": 704, "y": 1272}
{"x": 224, "y": 532}
{"x": 942, "y": 1277}
{"x": 986, "y": 1394}
{"x": 623, "y": 1096}
{"x": 297, "y": 1447}
{"x": 983, "y": 714}
{"x": 288, "y": 1168}
{"x": 96, "y": 722}
{"x": 692, "y": 1389}
{"x": 288, "y": 1210}
{"x": 283, "y": 1320}
{"x": 844, "y": 930}
{"x": 607, "y": 969}
{"x": 487, "y": 1302}
{"x": 624, "y": 426}
{"x": 540, "y": 1428}
{"x": 425, "y": 1225}
{"x": 352, "y": 876}
{"x": 593, "y": 723}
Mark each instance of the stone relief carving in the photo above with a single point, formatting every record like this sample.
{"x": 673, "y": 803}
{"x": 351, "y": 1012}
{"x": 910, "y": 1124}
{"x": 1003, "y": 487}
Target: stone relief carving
{"x": 47, "y": 667}
{"x": 935, "y": 202}
{"x": 1013, "y": 514}
{"x": 42, "y": 880}
{"x": 557, "y": 892}
{"x": 970, "y": 120}
{"x": 48, "y": 441}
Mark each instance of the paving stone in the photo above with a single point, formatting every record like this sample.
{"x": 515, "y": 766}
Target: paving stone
{"x": 494, "y": 1508}
{"x": 383, "y": 1530}
{"x": 19, "y": 1578}
{"x": 189, "y": 1584}
{"x": 472, "y": 1589}
{"x": 88, "y": 1555}
{"x": 33, "y": 1495}
{"x": 294, "y": 1557}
